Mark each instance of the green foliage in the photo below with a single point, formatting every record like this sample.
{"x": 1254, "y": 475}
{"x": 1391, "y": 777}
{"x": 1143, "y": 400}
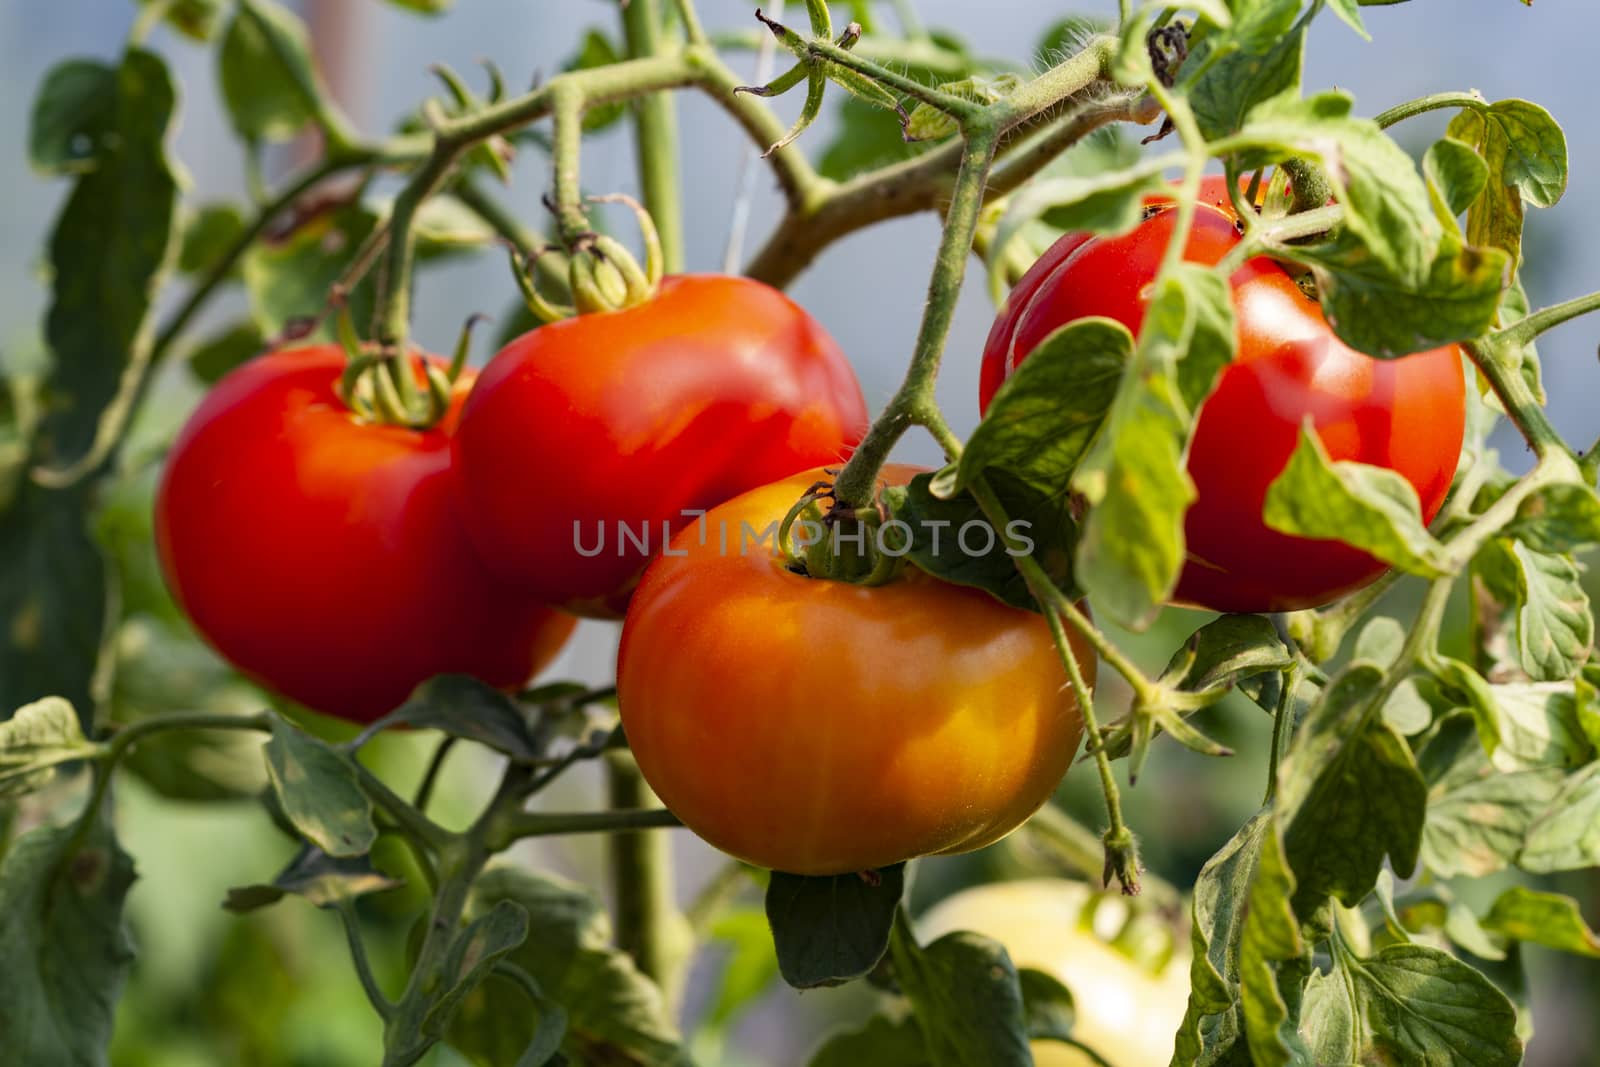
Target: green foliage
{"x": 319, "y": 792}
{"x": 830, "y": 930}
{"x": 67, "y": 951}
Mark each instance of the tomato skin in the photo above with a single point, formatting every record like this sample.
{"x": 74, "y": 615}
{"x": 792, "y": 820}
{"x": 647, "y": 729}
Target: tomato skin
{"x": 323, "y": 557}
{"x": 1408, "y": 414}
{"x": 625, "y": 420}
{"x": 819, "y": 727}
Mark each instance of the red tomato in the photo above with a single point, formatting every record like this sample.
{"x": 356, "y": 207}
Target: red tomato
{"x": 819, "y": 727}
{"x": 1405, "y": 414}
{"x": 584, "y": 442}
{"x": 324, "y": 557}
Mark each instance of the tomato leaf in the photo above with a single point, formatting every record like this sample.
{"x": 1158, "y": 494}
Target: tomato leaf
{"x": 1349, "y": 778}
{"x": 207, "y": 236}
{"x": 1044, "y": 418}
{"x": 594, "y": 1003}
{"x": 218, "y": 354}
{"x": 268, "y": 79}
{"x": 1047, "y": 1005}
{"x": 1243, "y": 874}
{"x": 425, "y": 7}
{"x": 882, "y": 1041}
{"x": 1388, "y": 212}
{"x": 1226, "y": 651}
{"x": 54, "y": 595}
{"x": 967, "y": 997}
{"x": 1456, "y": 173}
{"x": 319, "y": 792}
{"x": 1557, "y": 519}
{"x": 1370, "y": 508}
{"x": 110, "y": 248}
{"x": 751, "y": 965}
{"x": 1541, "y": 918}
{"x": 1478, "y": 817}
{"x": 1409, "y": 1004}
{"x": 1386, "y": 315}
{"x": 486, "y": 940}
{"x": 290, "y": 278}
{"x": 1261, "y": 56}
{"x": 37, "y": 739}
{"x": 834, "y": 929}
{"x": 1552, "y": 619}
{"x": 324, "y": 880}
{"x": 464, "y": 707}
{"x": 1566, "y": 836}
{"x": 1272, "y": 956}
{"x": 1132, "y": 545}
{"x": 1525, "y": 153}
{"x": 66, "y": 946}
{"x": 953, "y": 540}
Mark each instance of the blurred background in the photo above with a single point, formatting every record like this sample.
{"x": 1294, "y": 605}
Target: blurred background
{"x": 276, "y": 988}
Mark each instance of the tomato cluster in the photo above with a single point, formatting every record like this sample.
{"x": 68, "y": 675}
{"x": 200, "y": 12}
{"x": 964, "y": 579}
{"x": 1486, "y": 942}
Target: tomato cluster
{"x": 1407, "y": 415}
{"x": 341, "y": 562}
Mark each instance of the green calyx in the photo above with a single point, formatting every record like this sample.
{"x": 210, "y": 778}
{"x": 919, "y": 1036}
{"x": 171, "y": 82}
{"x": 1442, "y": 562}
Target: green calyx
{"x": 822, "y": 540}
{"x": 602, "y": 274}
{"x": 384, "y": 387}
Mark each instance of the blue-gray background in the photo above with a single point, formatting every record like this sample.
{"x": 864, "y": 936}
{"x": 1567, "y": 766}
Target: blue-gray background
{"x": 868, "y": 290}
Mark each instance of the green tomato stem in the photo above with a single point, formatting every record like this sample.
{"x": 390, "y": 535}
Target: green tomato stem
{"x": 549, "y": 824}
{"x": 690, "y": 17}
{"x": 358, "y": 955}
{"x": 1496, "y": 362}
{"x": 1282, "y": 726}
{"x": 649, "y": 925}
{"x": 656, "y": 134}
{"x": 855, "y": 485}
{"x": 1425, "y": 104}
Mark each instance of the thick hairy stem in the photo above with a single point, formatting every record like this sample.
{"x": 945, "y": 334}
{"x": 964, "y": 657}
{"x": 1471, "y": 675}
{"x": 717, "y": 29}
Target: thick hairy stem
{"x": 855, "y": 483}
{"x": 656, "y": 136}
{"x": 925, "y": 184}
{"x": 645, "y": 901}
{"x": 1495, "y": 361}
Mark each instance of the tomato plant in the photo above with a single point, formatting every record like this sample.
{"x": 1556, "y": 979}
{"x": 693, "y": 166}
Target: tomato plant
{"x": 323, "y": 557}
{"x": 586, "y": 443}
{"x": 760, "y": 709}
{"x": 1406, "y": 415}
{"x": 1355, "y": 803}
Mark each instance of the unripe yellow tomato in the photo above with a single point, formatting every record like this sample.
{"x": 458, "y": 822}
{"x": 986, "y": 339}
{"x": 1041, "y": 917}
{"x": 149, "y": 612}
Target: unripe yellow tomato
{"x": 1127, "y": 1011}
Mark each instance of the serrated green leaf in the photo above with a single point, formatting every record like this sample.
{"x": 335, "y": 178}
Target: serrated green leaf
{"x": 1456, "y": 172}
{"x": 266, "y": 73}
{"x": 1271, "y": 954}
{"x": 35, "y": 740}
{"x": 1538, "y": 727}
{"x": 66, "y": 946}
{"x": 1526, "y": 156}
{"x": 1226, "y": 651}
{"x": 1388, "y": 210}
{"x": 1553, "y": 621}
{"x": 1259, "y": 58}
{"x": 1411, "y": 1004}
{"x": 944, "y": 538}
{"x": 1042, "y": 421}
{"x": 968, "y": 999}
{"x": 1478, "y": 817}
{"x": 1370, "y": 508}
{"x": 1109, "y": 203}
{"x": 831, "y": 930}
{"x": 611, "y": 1013}
{"x": 476, "y": 949}
{"x": 318, "y": 791}
{"x": 1541, "y": 918}
{"x": 1566, "y": 836}
{"x": 463, "y": 707}
{"x": 1132, "y": 546}
{"x": 1349, "y": 793}
{"x": 323, "y": 880}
